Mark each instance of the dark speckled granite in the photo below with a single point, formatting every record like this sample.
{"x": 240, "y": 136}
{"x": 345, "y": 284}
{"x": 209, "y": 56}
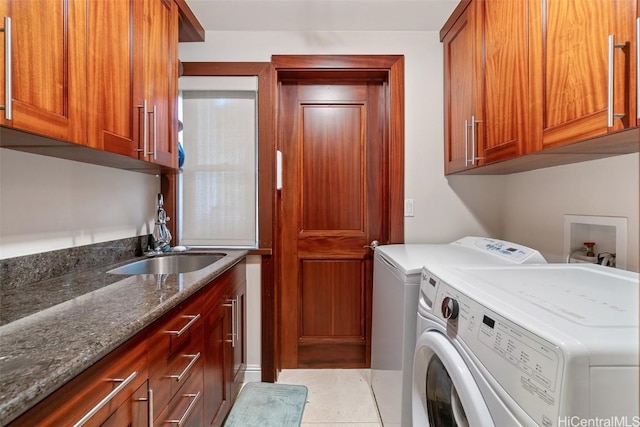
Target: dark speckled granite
{"x": 70, "y": 322}
{"x": 28, "y": 269}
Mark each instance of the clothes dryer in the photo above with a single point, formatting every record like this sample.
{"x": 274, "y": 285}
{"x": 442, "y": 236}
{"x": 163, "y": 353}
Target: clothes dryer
{"x": 532, "y": 345}
{"x": 396, "y": 279}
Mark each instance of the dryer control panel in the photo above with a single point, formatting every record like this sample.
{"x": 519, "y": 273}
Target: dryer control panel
{"x": 527, "y": 368}
{"x": 512, "y": 252}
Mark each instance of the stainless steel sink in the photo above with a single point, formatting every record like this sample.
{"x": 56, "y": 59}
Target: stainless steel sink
{"x": 169, "y": 264}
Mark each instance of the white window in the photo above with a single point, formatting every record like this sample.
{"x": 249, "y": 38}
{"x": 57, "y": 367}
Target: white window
{"x": 217, "y": 189}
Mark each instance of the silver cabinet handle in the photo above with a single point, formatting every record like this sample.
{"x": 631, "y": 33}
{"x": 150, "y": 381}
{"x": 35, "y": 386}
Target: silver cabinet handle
{"x": 233, "y": 304}
{"x": 472, "y": 125}
{"x": 145, "y": 129}
{"x": 194, "y": 359}
{"x": 473, "y": 140}
{"x": 180, "y": 422}
{"x": 8, "y": 110}
{"x": 193, "y": 319}
{"x": 107, "y": 398}
{"x": 466, "y": 143}
{"x": 610, "y": 83}
{"x": 155, "y": 131}
{"x": 149, "y": 399}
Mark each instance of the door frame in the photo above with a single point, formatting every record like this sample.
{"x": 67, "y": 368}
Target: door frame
{"x": 328, "y": 68}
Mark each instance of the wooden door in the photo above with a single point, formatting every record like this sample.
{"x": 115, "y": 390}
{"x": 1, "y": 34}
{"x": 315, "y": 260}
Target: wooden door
{"x": 48, "y": 68}
{"x": 569, "y": 63}
{"x": 503, "y": 132}
{"x": 333, "y": 139}
{"x": 461, "y": 89}
{"x": 115, "y": 43}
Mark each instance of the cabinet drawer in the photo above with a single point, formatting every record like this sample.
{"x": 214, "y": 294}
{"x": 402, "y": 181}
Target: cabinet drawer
{"x": 97, "y": 393}
{"x": 177, "y": 370}
{"x": 173, "y": 332}
{"x": 186, "y": 407}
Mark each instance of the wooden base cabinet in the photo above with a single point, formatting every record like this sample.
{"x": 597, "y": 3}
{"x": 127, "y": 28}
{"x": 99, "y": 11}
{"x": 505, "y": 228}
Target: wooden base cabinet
{"x": 225, "y": 345}
{"x": 184, "y": 369}
{"x": 111, "y": 392}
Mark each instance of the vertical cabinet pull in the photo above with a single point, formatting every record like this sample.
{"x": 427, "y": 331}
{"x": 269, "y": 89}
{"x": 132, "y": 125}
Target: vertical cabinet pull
{"x": 8, "y": 111}
{"x": 192, "y": 319}
{"x": 145, "y": 128}
{"x": 233, "y": 304}
{"x": 180, "y": 422}
{"x": 470, "y": 124}
{"x": 148, "y": 399}
{"x": 466, "y": 143}
{"x": 107, "y": 398}
{"x": 612, "y": 46}
{"x": 155, "y": 132}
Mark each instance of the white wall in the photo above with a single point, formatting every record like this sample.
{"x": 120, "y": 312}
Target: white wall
{"x": 48, "y": 203}
{"x": 536, "y": 202}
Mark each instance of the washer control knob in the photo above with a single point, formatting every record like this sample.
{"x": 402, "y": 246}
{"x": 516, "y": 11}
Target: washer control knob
{"x": 450, "y": 308}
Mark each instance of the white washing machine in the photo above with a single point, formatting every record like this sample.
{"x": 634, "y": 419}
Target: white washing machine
{"x": 396, "y": 279}
{"x": 533, "y": 345}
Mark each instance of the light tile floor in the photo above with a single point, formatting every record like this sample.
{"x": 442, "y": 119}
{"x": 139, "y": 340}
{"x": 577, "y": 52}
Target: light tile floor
{"x": 336, "y": 398}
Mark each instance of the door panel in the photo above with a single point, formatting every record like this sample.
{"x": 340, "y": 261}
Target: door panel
{"x": 334, "y": 143}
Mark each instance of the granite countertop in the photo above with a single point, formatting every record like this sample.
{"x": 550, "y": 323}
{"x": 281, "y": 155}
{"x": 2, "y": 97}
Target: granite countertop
{"x": 53, "y": 330}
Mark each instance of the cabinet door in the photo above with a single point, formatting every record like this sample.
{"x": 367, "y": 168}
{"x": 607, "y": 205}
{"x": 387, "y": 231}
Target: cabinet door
{"x": 217, "y": 357}
{"x": 115, "y": 70}
{"x": 460, "y": 89}
{"x": 570, "y": 51}
{"x": 134, "y": 412}
{"x": 239, "y": 339}
{"x": 47, "y": 68}
{"x": 161, "y": 72}
{"x": 502, "y": 134}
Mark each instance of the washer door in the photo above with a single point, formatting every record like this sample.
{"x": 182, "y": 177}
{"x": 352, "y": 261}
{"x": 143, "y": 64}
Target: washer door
{"x": 444, "y": 391}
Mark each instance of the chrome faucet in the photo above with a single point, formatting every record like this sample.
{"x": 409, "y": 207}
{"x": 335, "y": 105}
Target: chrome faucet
{"x": 161, "y": 234}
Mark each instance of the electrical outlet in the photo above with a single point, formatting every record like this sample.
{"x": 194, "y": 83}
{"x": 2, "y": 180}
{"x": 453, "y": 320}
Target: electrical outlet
{"x": 409, "y": 207}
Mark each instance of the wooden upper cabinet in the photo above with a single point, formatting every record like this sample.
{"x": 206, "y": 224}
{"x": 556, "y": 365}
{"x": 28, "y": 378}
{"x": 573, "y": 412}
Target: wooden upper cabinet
{"x": 133, "y": 60}
{"x": 47, "y": 67}
{"x": 460, "y": 88}
{"x": 486, "y": 66}
{"x": 161, "y": 74}
{"x": 573, "y": 95}
{"x": 503, "y": 131}
{"x": 115, "y": 95}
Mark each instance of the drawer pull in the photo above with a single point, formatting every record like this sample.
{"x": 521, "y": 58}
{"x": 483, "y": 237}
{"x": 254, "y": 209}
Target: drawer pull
{"x": 194, "y": 359}
{"x": 186, "y": 414}
{"x": 185, "y": 327}
{"x": 107, "y": 398}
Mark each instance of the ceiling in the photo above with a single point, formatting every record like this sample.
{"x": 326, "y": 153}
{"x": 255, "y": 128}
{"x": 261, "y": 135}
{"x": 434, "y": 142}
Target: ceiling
{"x": 322, "y": 15}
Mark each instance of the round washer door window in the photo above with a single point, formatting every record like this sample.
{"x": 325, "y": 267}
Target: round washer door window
{"x": 443, "y": 403}
{"x": 444, "y": 391}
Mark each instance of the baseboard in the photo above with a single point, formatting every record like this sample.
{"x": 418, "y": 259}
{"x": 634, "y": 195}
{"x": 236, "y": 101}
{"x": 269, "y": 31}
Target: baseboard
{"x": 253, "y": 373}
